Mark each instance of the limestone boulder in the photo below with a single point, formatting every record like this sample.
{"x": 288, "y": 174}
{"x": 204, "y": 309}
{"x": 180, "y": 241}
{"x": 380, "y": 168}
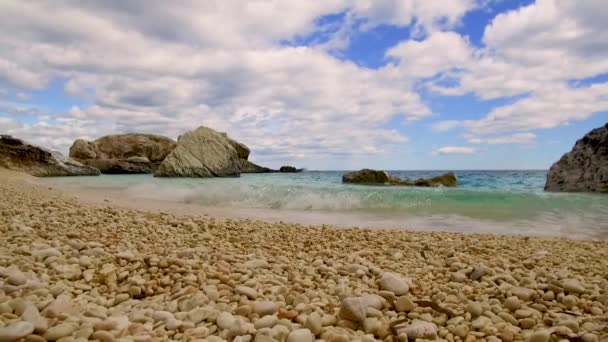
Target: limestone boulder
{"x": 123, "y": 153}
{"x": 202, "y": 152}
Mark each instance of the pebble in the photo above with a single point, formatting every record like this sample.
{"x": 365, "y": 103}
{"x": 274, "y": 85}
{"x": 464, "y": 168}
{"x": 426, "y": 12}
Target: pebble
{"x": 314, "y": 323}
{"x": 512, "y": 303}
{"x": 266, "y": 322}
{"x": 420, "y": 329}
{"x": 15, "y": 331}
{"x": 300, "y": 335}
{"x": 247, "y": 291}
{"x": 523, "y": 293}
{"x": 265, "y": 308}
{"x": 61, "y": 330}
{"x": 573, "y": 286}
{"x": 540, "y": 336}
{"x": 474, "y": 308}
{"x": 404, "y": 304}
{"x": 394, "y": 283}
{"x": 353, "y": 309}
{"x": 481, "y": 322}
{"x": 16, "y": 277}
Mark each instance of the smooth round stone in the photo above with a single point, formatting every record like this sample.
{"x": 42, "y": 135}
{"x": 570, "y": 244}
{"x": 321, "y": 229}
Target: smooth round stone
{"x": 247, "y": 291}
{"x": 523, "y": 293}
{"x": 394, "y": 283}
{"x": 103, "y": 336}
{"x": 540, "y": 336}
{"x": 60, "y": 330}
{"x": 548, "y": 296}
{"x": 420, "y": 329}
{"x": 461, "y": 330}
{"x": 16, "y": 277}
{"x": 314, "y": 323}
{"x": 474, "y": 308}
{"x": 569, "y": 301}
{"x": 265, "y": 308}
{"x": 266, "y": 322}
{"x": 300, "y": 335}
{"x": 16, "y": 331}
{"x": 512, "y": 303}
{"x": 573, "y": 286}
{"x": 353, "y": 309}
{"x": 404, "y": 304}
{"x": 480, "y": 323}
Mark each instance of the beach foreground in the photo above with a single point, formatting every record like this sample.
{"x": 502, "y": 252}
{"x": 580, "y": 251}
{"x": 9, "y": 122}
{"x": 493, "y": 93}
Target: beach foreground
{"x": 74, "y": 271}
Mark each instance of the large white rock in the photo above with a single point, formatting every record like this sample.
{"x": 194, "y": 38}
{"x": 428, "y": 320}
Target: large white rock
{"x": 202, "y": 152}
{"x": 394, "y": 283}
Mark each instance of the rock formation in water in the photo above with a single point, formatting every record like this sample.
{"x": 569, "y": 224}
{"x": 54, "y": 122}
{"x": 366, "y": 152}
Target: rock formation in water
{"x": 375, "y": 177}
{"x": 123, "y": 153}
{"x": 585, "y": 167}
{"x": 202, "y": 152}
{"x": 289, "y": 169}
{"x": 16, "y": 154}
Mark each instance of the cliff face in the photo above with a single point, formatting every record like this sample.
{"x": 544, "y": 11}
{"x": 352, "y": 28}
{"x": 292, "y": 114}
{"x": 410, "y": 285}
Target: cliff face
{"x": 585, "y": 167}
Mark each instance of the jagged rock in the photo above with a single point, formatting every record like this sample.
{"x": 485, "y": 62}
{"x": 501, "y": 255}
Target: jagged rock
{"x": 18, "y": 155}
{"x": 202, "y": 152}
{"x": 375, "y": 177}
{"x": 123, "y": 153}
{"x": 585, "y": 167}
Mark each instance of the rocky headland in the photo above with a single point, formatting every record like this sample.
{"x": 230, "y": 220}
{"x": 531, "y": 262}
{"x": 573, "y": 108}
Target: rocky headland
{"x": 376, "y": 177}
{"x": 585, "y": 167}
{"x": 74, "y": 272}
{"x": 16, "y": 154}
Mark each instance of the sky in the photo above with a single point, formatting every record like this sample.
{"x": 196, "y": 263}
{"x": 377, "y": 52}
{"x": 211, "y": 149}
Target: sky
{"x": 333, "y": 84}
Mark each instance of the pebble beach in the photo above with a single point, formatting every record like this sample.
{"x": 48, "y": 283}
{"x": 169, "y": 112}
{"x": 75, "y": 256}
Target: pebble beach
{"x": 71, "y": 271}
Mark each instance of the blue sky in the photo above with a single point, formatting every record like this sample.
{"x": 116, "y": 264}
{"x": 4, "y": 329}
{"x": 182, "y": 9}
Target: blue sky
{"x": 341, "y": 84}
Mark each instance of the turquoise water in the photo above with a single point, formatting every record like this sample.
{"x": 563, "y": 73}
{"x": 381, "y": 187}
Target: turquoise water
{"x": 511, "y": 202}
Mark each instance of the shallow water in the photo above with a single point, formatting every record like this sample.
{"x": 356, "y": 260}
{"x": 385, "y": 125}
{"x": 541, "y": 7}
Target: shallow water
{"x": 506, "y": 202}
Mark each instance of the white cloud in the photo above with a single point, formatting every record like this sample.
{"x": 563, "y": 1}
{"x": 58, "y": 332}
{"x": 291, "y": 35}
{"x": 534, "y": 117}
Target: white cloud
{"x": 163, "y": 67}
{"x": 517, "y": 138}
{"x": 534, "y": 52}
{"x": 454, "y": 150}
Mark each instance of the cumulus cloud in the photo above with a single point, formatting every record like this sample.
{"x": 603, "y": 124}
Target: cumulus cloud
{"x": 533, "y": 53}
{"x": 166, "y": 67}
{"x": 446, "y": 150}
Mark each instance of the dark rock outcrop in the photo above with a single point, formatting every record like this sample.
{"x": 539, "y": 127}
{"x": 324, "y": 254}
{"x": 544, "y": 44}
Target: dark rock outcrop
{"x": 202, "y": 152}
{"x": 367, "y": 176}
{"x": 249, "y": 167}
{"x": 585, "y": 167}
{"x": 18, "y": 155}
{"x": 123, "y": 153}
{"x": 375, "y": 177}
{"x": 289, "y": 169}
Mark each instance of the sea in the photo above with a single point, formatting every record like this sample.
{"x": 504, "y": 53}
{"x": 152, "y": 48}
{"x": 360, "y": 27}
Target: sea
{"x": 509, "y": 202}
